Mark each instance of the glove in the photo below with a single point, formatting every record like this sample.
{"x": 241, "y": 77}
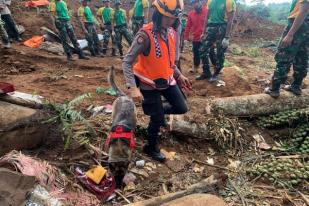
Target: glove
{"x": 225, "y": 43}
{"x": 113, "y": 33}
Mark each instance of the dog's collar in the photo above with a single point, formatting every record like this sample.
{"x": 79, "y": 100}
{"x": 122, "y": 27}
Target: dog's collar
{"x": 121, "y": 132}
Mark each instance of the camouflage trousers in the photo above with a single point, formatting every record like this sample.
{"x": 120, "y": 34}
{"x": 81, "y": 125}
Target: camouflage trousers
{"x": 3, "y": 34}
{"x": 137, "y": 23}
{"x": 107, "y": 35}
{"x": 296, "y": 54}
{"x": 215, "y": 35}
{"x": 122, "y": 31}
{"x": 66, "y": 30}
{"x": 92, "y": 38}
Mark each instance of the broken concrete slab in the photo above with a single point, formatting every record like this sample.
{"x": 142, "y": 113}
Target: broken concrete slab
{"x": 20, "y": 127}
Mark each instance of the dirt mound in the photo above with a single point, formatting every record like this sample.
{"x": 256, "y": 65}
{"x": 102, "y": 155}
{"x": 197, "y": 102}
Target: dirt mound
{"x": 247, "y": 26}
{"x": 11, "y": 65}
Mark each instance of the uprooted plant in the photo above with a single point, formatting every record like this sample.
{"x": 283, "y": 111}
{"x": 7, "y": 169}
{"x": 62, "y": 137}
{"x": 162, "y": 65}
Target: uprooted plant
{"x": 69, "y": 116}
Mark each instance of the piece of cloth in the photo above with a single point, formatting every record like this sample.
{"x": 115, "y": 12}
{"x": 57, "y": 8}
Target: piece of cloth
{"x": 106, "y": 13}
{"x": 120, "y": 17}
{"x": 107, "y": 35}
{"x": 86, "y": 14}
{"x": 140, "y": 45}
{"x": 92, "y": 38}
{"x": 66, "y": 31}
{"x": 36, "y": 3}
{"x": 34, "y": 42}
{"x": 3, "y": 34}
{"x": 157, "y": 68}
{"x": 218, "y": 10}
{"x": 137, "y": 24}
{"x": 139, "y": 7}
{"x": 178, "y": 43}
{"x": 295, "y": 8}
{"x": 152, "y": 106}
{"x": 4, "y": 4}
{"x": 195, "y": 24}
{"x": 122, "y": 31}
{"x": 10, "y": 26}
{"x": 215, "y": 35}
{"x": 59, "y": 10}
{"x": 296, "y": 54}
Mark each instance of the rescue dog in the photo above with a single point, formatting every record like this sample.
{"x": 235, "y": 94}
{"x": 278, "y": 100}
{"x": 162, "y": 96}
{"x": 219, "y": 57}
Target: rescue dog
{"x": 120, "y": 142}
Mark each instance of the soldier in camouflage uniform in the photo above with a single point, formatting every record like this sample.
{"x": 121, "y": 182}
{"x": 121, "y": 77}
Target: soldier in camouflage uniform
{"x": 217, "y": 32}
{"x": 292, "y": 50}
{"x": 105, "y": 15}
{"x": 86, "y": 20}
{"x": 4, "y": 36}
{"x": 61, "y": 18}
{"x": 140, "y": 15}
{"x": 120, "y": 26}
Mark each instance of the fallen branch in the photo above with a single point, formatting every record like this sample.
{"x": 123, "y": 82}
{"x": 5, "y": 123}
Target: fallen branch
{"x": 244, "y": 203}
{"x": 257, "y": 105}
{"x": 304, "y": 198}
{"x": 208, "y": 185}
{"x": 122, "y": 196}
{"x": 215, "y": 166}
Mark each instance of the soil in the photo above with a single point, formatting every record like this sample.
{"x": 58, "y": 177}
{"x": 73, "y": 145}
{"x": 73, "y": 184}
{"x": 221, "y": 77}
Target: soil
{"x": 51, "y": 76}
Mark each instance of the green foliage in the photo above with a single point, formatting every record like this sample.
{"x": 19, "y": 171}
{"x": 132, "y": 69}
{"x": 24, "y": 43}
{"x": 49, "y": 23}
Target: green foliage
{"x": 275, "y": 12}
{"x": 281, "y": 172}
{"x": 68, "y": 115}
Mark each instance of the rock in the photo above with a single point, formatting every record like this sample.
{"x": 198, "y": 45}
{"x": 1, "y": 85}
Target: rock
{"x": 20, "y": 127}
{"x": 197, "y": 200}
{"x": 52, "y": 47}
{"x": 14, "y": 187}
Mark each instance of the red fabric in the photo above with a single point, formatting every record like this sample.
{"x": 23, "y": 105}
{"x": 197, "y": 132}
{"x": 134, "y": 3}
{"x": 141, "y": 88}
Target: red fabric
{"x": 103, "y": 190}
{"x": 6, "y": 88}
{"x": 119, "y": 133}
{"x": 195, "y": 24}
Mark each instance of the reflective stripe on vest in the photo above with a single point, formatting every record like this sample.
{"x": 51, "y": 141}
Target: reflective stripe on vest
{"x": 160, "y": 62}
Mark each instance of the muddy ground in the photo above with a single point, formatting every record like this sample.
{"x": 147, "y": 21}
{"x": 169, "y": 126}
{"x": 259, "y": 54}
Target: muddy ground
{"x": 248, "y": 69}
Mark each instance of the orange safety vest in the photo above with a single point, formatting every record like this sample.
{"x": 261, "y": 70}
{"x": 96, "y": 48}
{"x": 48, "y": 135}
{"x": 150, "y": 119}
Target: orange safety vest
{"x": 160, "y": 62}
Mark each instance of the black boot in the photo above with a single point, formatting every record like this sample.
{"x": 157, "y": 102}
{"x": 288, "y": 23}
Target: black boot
{"x": 113, "y": 52}
{"x": 215, "y": 76}
{"x": 295, "y": 87}
{"x": 153, "y": 150}
{"x": 81, "y": 55}
{"x": 205, "y": 75}
{"x": 70, "y": 57}
{"x": 121, "y": 52}
{"x": 274, "y": 90}
{"x": 104, "y": 51}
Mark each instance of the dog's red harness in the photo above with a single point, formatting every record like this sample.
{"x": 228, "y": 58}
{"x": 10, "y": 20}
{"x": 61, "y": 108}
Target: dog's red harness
{"x": 120, "y": 132}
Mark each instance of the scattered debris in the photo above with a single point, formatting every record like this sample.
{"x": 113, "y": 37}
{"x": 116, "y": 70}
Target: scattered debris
{"x": 140, "y": 163}
{"x": 103, "y": 190}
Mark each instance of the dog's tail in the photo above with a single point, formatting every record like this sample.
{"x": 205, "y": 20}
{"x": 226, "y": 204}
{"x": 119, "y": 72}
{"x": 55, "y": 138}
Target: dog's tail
{"x": 111, "y": 81}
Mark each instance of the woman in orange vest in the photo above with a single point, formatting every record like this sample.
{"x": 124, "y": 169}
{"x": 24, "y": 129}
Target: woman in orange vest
{"x": 155, "y": 73}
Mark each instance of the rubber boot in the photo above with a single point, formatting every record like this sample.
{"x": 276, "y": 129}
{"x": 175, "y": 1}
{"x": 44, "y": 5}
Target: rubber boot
{"x": 274, "y": 89}
{"x": 81, "y": 55}
{"x": 215, "y": 76}
{"x": 153, "y": 150}
{"x": 70, "y": 57}
{"x": 295, "y": 87}
{"x": 121, "y": 52}
{"x": 113, "y": 52}
{"x": 205, "y": 75}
